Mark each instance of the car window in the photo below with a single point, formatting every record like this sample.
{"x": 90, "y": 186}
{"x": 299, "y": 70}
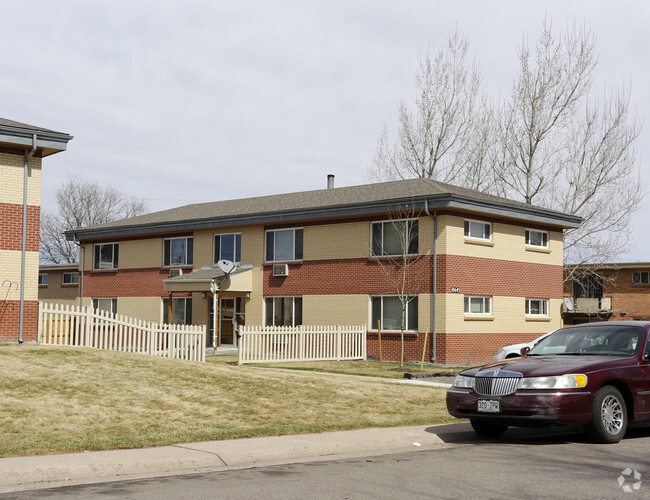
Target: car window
{"x": 606, "y": 339}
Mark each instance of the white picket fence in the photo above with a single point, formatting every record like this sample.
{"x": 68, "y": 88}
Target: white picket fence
{"x": 68, "y": 325}
{"x": 301, "y": 343}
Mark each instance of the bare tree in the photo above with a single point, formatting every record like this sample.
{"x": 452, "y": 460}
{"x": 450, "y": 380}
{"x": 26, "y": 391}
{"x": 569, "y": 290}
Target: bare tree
{"x": 558, "y": 149}
{"x": 395, "y": 248}
{"x": 82, "y": 203}
{"x": 444, "y": 133}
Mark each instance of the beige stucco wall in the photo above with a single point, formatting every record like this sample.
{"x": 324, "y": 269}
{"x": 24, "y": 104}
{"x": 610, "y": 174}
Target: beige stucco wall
{"x": 142, "y": 308}
{"x": 336, "y": 309}
{"x": 12, "y": 175}
{"x": 56, "y": 291}
{"x": 337, "y": 241}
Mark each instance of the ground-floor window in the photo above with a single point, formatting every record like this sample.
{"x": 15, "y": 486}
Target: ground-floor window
{"x": 478, "y": 304}
{"x": 537, "y": 307}
{"x": 387, "y": 310}
{"x": 108, "y": 305}
{"x": 283, "y": 311}
{"x": 181, "y": 311}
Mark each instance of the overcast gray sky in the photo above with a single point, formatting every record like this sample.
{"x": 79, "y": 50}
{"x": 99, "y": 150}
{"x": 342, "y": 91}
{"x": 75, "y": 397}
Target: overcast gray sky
{"x": 187, "y": 101}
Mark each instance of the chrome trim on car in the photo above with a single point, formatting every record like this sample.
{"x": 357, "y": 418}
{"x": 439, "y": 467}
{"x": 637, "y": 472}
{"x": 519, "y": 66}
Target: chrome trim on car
{"x": 526, "y": 393}
{"x": 496, "y": 386}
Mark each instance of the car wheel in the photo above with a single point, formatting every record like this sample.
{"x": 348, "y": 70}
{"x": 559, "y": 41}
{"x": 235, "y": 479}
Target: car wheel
{"x": 488, "y": 429}
{"x": 608, "y": 416}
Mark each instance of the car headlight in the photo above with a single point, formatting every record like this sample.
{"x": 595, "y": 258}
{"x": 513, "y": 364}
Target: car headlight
{"x": 573, "y": 381}
{"x": 464, "y": 381}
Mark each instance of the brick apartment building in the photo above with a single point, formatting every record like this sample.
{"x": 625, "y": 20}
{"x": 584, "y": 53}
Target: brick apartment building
{"x": 614, "y": 291}
{"x": 22, "y": 148}
{"x": 483, "y": 271}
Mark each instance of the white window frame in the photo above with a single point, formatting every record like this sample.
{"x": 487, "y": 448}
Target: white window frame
{"x": 273, "y": 298}
{"x": 405, "y": 244}
{"x": 468, "y": 233}
{"x": 544, "y": 238}
{"x": 71, "y": 283}
{"x": 543, "y": 307}
{"x": 187, "y": 319}
{"x": 413, "y": 301}
{"x": 486, "y": 300}
{"x": 294, "y": 257}
{"x": 188, "y": 259}
{"x": 42, "y": 279}
{"x": 236, "y": 243}
{"x": 113, "y": 304}
{"x": 114, "y": 261}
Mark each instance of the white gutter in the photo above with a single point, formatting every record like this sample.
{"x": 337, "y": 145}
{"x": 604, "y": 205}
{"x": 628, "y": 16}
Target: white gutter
{"x": 21, "y": 320}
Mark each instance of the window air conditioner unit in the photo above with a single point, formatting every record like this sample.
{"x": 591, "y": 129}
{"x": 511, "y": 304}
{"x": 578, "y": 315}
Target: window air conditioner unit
{"x": 173, "y": 273}
{"x": 280, "y": 270}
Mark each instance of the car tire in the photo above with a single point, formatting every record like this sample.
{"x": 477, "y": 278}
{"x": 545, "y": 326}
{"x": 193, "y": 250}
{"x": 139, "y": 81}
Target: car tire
{"x": 488, "y": 429}
{"x": 608, "y": 416}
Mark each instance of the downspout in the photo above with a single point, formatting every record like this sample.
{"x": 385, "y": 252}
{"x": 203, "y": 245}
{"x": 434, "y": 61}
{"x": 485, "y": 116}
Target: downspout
{"x": 81, "y": 272}
{"x": 21, "y": 320}
{"x": 434, "y": 279}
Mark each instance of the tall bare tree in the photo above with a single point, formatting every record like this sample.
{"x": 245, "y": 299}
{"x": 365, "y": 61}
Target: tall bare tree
{"x": 82, "y": 203}
{"x": 442, "y": 133}
{"x": 549, "y": 143}
{"x": 558, "y": 148}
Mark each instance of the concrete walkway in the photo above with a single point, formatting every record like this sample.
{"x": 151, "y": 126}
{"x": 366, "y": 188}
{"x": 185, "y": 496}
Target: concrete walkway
{"x": 29, "y": 473}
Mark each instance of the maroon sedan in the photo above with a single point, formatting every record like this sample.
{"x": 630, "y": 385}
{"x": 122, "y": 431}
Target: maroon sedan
{"x": 596, "y": 375}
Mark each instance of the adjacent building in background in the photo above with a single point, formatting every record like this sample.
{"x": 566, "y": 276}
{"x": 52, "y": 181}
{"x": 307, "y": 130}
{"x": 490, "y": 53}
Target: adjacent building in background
{"x": 59, "y": 284}
{"x": 613, "y": 291}
{"x": 22, "y": 148}
{"x": 482, "y": 271}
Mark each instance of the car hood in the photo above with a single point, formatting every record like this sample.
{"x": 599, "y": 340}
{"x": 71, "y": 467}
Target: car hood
{"x": 541, "y": 366}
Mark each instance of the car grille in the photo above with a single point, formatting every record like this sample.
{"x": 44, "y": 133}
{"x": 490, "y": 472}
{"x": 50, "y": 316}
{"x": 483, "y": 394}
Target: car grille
{"x": 496, "y": 386}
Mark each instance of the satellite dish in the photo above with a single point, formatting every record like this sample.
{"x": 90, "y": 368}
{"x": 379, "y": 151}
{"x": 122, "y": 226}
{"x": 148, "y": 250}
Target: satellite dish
{"x": 568, "y": 303}
{"x": 226, "y": 266}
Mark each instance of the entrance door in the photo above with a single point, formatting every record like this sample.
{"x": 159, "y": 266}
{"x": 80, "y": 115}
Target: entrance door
{"x": 231, "y": 315}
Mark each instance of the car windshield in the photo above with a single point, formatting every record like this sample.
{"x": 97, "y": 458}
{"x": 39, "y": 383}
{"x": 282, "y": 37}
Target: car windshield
{"x": 602, "y": 340}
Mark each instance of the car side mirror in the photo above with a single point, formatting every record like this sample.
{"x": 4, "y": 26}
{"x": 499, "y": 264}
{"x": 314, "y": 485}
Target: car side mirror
{"x": 524, "y": 351}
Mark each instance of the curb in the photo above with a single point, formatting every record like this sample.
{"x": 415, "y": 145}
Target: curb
{"x": 29, "y": 473}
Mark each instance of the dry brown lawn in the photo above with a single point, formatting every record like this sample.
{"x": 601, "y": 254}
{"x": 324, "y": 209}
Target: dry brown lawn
{"x": 55, "y": 400}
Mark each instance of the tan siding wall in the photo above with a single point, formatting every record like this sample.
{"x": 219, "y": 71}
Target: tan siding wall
{"x": 508, "y": 243}
{"x": 12, "y": 176}
{"x": 337, "y": 241}
{"x": 10, "y": 267}
{"x": 142, "y": 308}
{"x": 136, "y": 254}
{"x": 336, "y": 310}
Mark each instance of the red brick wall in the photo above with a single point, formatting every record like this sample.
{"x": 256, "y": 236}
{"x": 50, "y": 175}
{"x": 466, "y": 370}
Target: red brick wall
{"x": 147, "y": 282}
{"x": 9, "y": 320}
{"x": 11, "y": 229}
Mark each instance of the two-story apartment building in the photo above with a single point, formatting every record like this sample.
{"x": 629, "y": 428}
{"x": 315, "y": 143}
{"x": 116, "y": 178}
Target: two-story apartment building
{"x": 481, "y": 271}
{"x": 22, "y": 148}
{"x": 59, "y": 284}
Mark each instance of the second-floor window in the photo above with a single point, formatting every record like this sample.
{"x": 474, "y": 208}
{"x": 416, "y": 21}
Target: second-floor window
{"x": 283, "y": 244}
{"x": 641, "y": 278}
{"x": 478, "y": 230}
{"x": 178, "y": 252}
{"x": 227, "y": 247}
{"x": 398, "y": 237}
{"x": 70, "y": 278}
{"x": 106, "y": 256}
{"x": 536, "y": 238}
{"x": 42, "y": 279}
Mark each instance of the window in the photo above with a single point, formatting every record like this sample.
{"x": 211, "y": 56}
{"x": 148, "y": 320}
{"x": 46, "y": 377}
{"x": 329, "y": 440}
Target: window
{"x": 106, "y": 256}
{"x": 395, "y": 237}
{"x": 178, "y": 252}
{"x": 42, "y": 279}
{"x": 641, "y": 278}
{"x": 70, "y": 278}
{"x": 227, "y": 247}
{"x": 181, "y": 311}
{"x": 536, "y": 238}
{"x": 536, "y": 307}
{"x": 283, "y": 244}
{"x": 478, "y": 305}
{"x": 388, "y": 311}
{"x": 283, "y": 311}
{"x": 478, "y": 230}
{"x": 107, "y": 305}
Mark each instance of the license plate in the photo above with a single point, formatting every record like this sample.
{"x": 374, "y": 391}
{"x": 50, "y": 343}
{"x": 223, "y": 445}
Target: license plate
{"x": 489, "y": 405}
